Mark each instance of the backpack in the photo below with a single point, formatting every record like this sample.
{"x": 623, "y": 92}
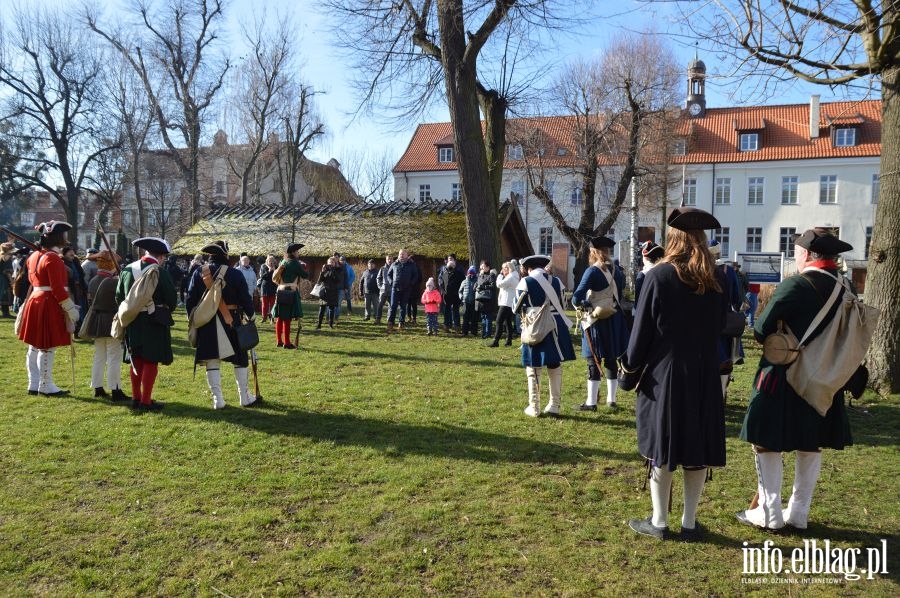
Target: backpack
{"x": 825, "y": 364}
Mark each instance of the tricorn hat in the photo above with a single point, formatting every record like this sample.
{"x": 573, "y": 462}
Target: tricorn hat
{"x": 535, "y": 261}
{"x": 216, "y": 248}
{"x": 651, "y": 250}
{"x": 820, "y": 240}
{"x": 52, "y": 226}
{"x": 602, "y": 242}
{"x": 154, "y": 245}
{"x": 292, "y": 247}
{"x": 686, "y": 218}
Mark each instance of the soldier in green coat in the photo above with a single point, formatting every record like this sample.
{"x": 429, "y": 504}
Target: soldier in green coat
{"x": 287, "y": 298}
{"x": 148, "y": 337}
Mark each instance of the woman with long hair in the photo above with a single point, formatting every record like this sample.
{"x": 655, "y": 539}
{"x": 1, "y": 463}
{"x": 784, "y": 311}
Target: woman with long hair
{"x": 603, "y": 340}
{"x": 673, "y": 360}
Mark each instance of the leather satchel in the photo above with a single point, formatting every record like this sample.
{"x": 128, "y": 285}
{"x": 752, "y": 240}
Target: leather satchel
{"x": 247, "y": 335}
{"x": 735, "y": 322}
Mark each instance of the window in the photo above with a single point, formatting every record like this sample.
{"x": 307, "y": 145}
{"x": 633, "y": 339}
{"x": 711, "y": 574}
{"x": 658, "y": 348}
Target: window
{"x": 876, "y": 187}
{"x": 128, "y": 218}
{"x": 220, "y": 187}
{"x": 789, "y": 190}
{"x": 828, "y": 188}
{"x": 456, "y": 191}
{"x": 545, "y": 246}
{"x": 689, "y": 195}
{"x": 424, "y": 192}
{"x": 868, "y": 241}
{"x": 723, "y": 236}
{"x": 81, "y": 218}
{"x": 577, "y": 196}
{"x": 26, "y": 218}
{"x": 754, "y": 239}
{"x": 514, "y": 152}
{"x": 786, "y": 241}
{"x": 755, "y": 191}
{"x": 679, "y": 148}
{"x": 845, "y": 137}
{"x": 445, "y": 154}
{"x": 518, "y": 187}
{"x": 561, "y": 151}
{"x": 749, "y": 142}
{"x": 723, "y": 191}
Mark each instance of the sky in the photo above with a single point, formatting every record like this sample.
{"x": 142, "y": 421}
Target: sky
{"x": 326, "y": 71}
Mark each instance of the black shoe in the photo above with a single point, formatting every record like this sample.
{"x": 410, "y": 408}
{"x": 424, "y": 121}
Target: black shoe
{"x": 646, "y": 528}
{"x": 58, "y": 393}
{"x": 693, "y": 535}
{"x": 494, "y": 344}
{"x": 33, "y": 392}
{"x": 100, "y": 392}
{"x": 613, "y": 406}
{"x": 290, "y": 346}
{"x": 586, "y": 407}
{"x": 366, "y": 319}
{"x": 255, "y": 403}
{"x": 153, "y": 406}
{"x": 280, "y": 345}
{"x": 318, "y": 327}
{"x": 135, "y": 404}
{"x": 118, "y": 395}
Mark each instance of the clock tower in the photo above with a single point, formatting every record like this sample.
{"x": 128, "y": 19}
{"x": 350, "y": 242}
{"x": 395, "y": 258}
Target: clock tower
{"x": 696, "y": 96}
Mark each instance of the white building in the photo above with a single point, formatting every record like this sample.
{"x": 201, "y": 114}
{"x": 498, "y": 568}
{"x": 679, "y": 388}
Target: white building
{"x": 766, "y": 172}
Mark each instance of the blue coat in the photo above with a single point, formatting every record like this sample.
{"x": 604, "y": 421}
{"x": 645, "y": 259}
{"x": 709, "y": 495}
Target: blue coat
{"x": 233, "y": 293}
{"x": 609, "y": 337}
{"x": 556, "y": 346}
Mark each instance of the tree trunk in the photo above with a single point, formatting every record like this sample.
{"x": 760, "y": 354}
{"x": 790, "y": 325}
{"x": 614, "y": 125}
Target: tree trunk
{"x": 883, "y": 277}
{"x": 493, "y": 106}
{"x": 460, "y": 79}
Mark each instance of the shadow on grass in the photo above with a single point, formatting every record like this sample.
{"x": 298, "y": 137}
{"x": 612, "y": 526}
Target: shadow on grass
{"x": 393, "y": 438}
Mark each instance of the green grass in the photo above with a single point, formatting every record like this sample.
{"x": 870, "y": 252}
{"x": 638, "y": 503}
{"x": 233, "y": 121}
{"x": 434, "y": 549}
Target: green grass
{"x": 386, "y": 466}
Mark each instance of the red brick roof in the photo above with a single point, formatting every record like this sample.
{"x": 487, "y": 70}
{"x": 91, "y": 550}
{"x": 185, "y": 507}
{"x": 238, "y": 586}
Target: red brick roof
{"x": 783, "y": 135}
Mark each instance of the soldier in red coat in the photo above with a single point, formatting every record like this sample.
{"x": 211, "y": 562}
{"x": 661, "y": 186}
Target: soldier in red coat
{"x": 49, "y": 315}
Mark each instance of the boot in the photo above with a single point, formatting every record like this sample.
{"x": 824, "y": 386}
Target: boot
{"x": 534, "y": 391}
{"x": 555, "y": 375}
{"x": 34, "y": 372}
{"x": 118, "y": 395}
{"x": 611, "y": 385}
{"x": 214, "y": 379}
{"x": 46, "y": 386}
{"x": 590, "y": 404}
{"x": 767, "y": 515}
{"x": 806, "y": 474}
{"x": 241, "y": 377}
{"x": 100, "y": 392}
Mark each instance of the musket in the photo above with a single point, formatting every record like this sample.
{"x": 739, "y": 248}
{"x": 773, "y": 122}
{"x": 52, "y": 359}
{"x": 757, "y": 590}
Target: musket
{"x": 253, "y": 361}
{"x": 33, "y": 246}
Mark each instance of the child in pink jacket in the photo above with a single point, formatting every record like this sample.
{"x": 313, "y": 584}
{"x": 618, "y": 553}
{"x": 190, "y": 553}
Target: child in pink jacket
{"x": 431, "y": 299}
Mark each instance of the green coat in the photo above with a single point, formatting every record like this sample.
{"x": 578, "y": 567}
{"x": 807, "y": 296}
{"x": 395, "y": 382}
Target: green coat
{"x": 292, "y": 272}
{"x": 778, "y": 418}
{"x": 143, "y": 337}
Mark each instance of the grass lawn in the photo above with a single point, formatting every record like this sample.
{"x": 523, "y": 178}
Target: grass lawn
{"x": 390, "y": 466}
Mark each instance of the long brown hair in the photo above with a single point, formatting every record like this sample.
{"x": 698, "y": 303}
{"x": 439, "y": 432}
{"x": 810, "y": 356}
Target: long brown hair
{"x": 688, "y": 252}
{"x": 602, "y": 256}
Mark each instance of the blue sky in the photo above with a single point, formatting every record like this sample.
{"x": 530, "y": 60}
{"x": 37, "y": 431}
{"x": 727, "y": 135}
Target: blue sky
{"x": 325, "y": 70}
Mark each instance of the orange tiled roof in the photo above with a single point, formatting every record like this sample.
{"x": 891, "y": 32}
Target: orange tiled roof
{"x": 784, "y": 135}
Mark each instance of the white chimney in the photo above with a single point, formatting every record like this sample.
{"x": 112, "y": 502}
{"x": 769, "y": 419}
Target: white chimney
{"x": 814, "y": 116}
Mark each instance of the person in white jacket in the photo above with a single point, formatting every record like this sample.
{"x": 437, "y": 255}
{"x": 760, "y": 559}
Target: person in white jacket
{"x": 507, "y": 280}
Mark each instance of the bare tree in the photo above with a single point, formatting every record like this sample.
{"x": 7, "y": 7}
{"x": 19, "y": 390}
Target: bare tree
{"x": 300, "y": 128}
{"x": 369, "y": 172}
{"x": 420, "y": 45}
{"x": 177, "y": 41}
{"x": 49, "y": 71}
{"x": 835, "y": 43}
{"x": 262, "y": 83}
{"x": 17, "y": 150}
{"x": 622, "y": 109}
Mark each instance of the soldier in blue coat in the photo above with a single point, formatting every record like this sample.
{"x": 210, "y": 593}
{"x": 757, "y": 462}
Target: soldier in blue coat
{"x": 556, "y": 347}
{"x": 217, "y": 339}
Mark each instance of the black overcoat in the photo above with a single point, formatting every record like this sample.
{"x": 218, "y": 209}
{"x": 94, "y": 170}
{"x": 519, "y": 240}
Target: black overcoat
{"x": 234, "y": 293}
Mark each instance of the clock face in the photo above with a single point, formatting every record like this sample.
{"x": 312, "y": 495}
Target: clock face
{"x": 694, "y": 109}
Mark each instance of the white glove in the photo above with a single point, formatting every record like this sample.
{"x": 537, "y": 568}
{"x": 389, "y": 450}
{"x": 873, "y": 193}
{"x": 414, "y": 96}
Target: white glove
{"x": 73, "y": 314}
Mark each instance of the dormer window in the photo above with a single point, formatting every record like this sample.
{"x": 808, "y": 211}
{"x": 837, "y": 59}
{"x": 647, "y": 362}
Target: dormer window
{"x": 749, "y": 142}
{"x": 679, "y": 148}
{"x": 445, "y": 154}
{"x": 845, "y": 137}
{"x": 514, "y": 152}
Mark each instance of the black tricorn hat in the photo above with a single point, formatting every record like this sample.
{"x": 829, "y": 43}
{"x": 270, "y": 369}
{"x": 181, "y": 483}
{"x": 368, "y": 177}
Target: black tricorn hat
{"x": 602, "y": 242}
{"x": 651, "y": 250}
{"x": 52, "y": 226}
{"x": 820, "y": 240}
{"x": 686, "y": 218}
{"x": 535, "y": 261}
{"x": 154, "y": 245}
{"x": 216, "y": 248}
{"x": 292, "y": 247}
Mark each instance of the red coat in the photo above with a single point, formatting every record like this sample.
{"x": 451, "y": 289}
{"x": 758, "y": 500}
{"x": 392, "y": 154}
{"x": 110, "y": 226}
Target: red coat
{"x": 43, "y": 323}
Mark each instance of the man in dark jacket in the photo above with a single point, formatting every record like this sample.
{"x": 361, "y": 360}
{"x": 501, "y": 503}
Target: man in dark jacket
{"x": 217, "y": 339}
{"x": 368, "y": 288}
{"x": 402, "y": 278}
{"x": 449, "y": 279}
{"x": 384, "y": 287}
